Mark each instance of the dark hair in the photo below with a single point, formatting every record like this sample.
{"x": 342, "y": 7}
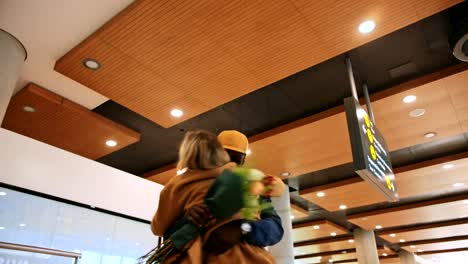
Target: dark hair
{"x": 237, "y": 157}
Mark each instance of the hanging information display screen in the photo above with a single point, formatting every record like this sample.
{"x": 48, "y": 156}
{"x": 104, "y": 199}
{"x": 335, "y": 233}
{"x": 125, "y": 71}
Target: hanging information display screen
{"x": 370, "y": 153}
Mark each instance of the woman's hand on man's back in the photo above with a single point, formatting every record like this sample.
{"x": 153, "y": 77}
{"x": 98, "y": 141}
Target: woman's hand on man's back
{"x": 200, "y": 215}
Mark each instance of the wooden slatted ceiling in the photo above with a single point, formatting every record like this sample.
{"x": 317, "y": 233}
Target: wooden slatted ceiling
{"x": 64, "y": 124}
{"x": 337, "y": 244}
{"x": 298, "y": 212}
{"x": 338, "y": 257}
{"x": 419, "y": 179}
{"x": 196, "y": 55}
{"x": 452, "y": 208}
{"x": 419, "y": 248}
{"x": 456, "y": 228}
{"x": 302, "y": 147}
{"x": 315, "y": 230}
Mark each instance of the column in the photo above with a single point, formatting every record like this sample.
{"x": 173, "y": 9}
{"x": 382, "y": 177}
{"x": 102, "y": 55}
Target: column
{"x": 407, "y": 257}
{"x": 12, "y": 56}
{"x": 366, "y": 248}
{"x": 283, "y": 251}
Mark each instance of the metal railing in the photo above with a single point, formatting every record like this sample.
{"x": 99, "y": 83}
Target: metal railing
{"x": 40, "y": 250}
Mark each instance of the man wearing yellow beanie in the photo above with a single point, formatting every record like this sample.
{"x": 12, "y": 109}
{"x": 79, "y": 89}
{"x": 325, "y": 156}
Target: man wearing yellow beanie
{"x": 268, "y": 230}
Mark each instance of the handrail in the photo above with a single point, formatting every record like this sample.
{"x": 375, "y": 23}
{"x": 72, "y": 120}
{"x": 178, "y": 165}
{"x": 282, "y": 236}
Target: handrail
{"x": 41, "y": 250}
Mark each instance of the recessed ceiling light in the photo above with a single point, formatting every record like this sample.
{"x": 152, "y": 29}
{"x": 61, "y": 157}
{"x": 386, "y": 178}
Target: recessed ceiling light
{"x": 458, "y": 184}
{"x": 22, "y": 225}
{"x": 181, "y": 171}
{"x": 420, "y": 250}
{"x": 332, "y": 234}
{"x": 292, "y": 217}
{"x": 111, "y": 143}
{"x": 319, "y": 257}
{"x": 392, "y": 235}
{"x": 378, "y": 227}
{"x": 465, "y": 202}
{"x": 248, "y": 152}
{"x": 409, "y": 99}
{"x": 316, "y": 227}
{"x": 430, "y": 134}
{"x": 91, "y": 64}
{"x": 29, "y": 109}
{"x": 384, "y": 254}
{"x": 320, "y": 194}
{"x": 177, "y": 113}
{"x": 1, "y": 227}
{"x": 343, "y": 207}
{"x": 402, "y": 241}
{"x": 448, "y": 166}
{"x": 412, "y": 246}
{"x": 285, "y": 174}
{"x": 417, "y": 112}
{"x": 3, "y": 193}
{"x": 331, "y": 260}
{"x": 351, "y": 241}
{"x": 344, "y": 252}
{"x": 366, "y": 26}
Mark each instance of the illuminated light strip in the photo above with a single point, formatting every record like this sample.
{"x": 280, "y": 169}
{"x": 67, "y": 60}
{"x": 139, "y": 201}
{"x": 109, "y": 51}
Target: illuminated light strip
{"x": 380, "y": 146}
{"x": 385, "y": 163}
{"x": 377, "y": 167}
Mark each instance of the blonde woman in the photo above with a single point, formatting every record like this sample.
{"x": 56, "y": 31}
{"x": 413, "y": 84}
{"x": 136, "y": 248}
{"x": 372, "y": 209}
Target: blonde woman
{"x": 204, "y": 158}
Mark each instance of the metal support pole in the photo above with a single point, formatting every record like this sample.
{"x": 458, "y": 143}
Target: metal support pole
{"x": 368, "y": 104}
{"x": 349, "y": 67}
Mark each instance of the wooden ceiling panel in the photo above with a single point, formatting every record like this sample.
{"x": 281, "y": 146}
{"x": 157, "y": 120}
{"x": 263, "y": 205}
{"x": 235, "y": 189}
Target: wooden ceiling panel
{"x": 431, "y": 232}
{"x": 459, "y": 92}
{"x": 402, "y": 130}
{"x": 64, "y": 124}
{"x": 324, "y": 246}
{"x": 427, "y": 177}
{"x": 298, "y": 212}
{"x": 349, "y": 194}
{"x": 321, "y": 141}
{"x": 215, "y": 51}
{"x": 304, "y": 149}
{"x": 453, "y": 208}
{"x": 315, "y": 230}
{"x": 350, "y": 254}
{"x": 437, "y": 246}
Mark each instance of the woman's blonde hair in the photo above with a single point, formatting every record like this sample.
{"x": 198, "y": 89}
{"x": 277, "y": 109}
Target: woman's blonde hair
{"x": 201, "y": 150}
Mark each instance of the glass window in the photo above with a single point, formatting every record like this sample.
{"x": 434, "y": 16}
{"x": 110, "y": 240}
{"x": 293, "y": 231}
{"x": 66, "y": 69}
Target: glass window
{"x": 101, "y": 238}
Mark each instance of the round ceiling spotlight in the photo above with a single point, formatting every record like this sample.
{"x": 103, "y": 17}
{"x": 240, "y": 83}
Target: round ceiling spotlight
{"x": 417, "y": 112}
{"x": 366, "y": 26}
{"x": 320, "y": 194}
{"x": 343, "y": 207}
{"x": 91, "y": 64}
{"x": 332, "y": 234}
{"x": 248, "y": 152}
{"x": 285, "y": 174}
{"x": 111, "y": 143}
{"x": 409, "y": 99}
{"x": 177, "y": 113}
{"x": 29, "y": 109}
{"x": 384, "y": 254}
{"x": 378, "y": 227}
{"x": 3, "y": 193}
{"x": 392, "y": 235}
{"x": 430, "y": 134}
{"x": 448, "y": 166}
{"x": 316, "y": 227}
